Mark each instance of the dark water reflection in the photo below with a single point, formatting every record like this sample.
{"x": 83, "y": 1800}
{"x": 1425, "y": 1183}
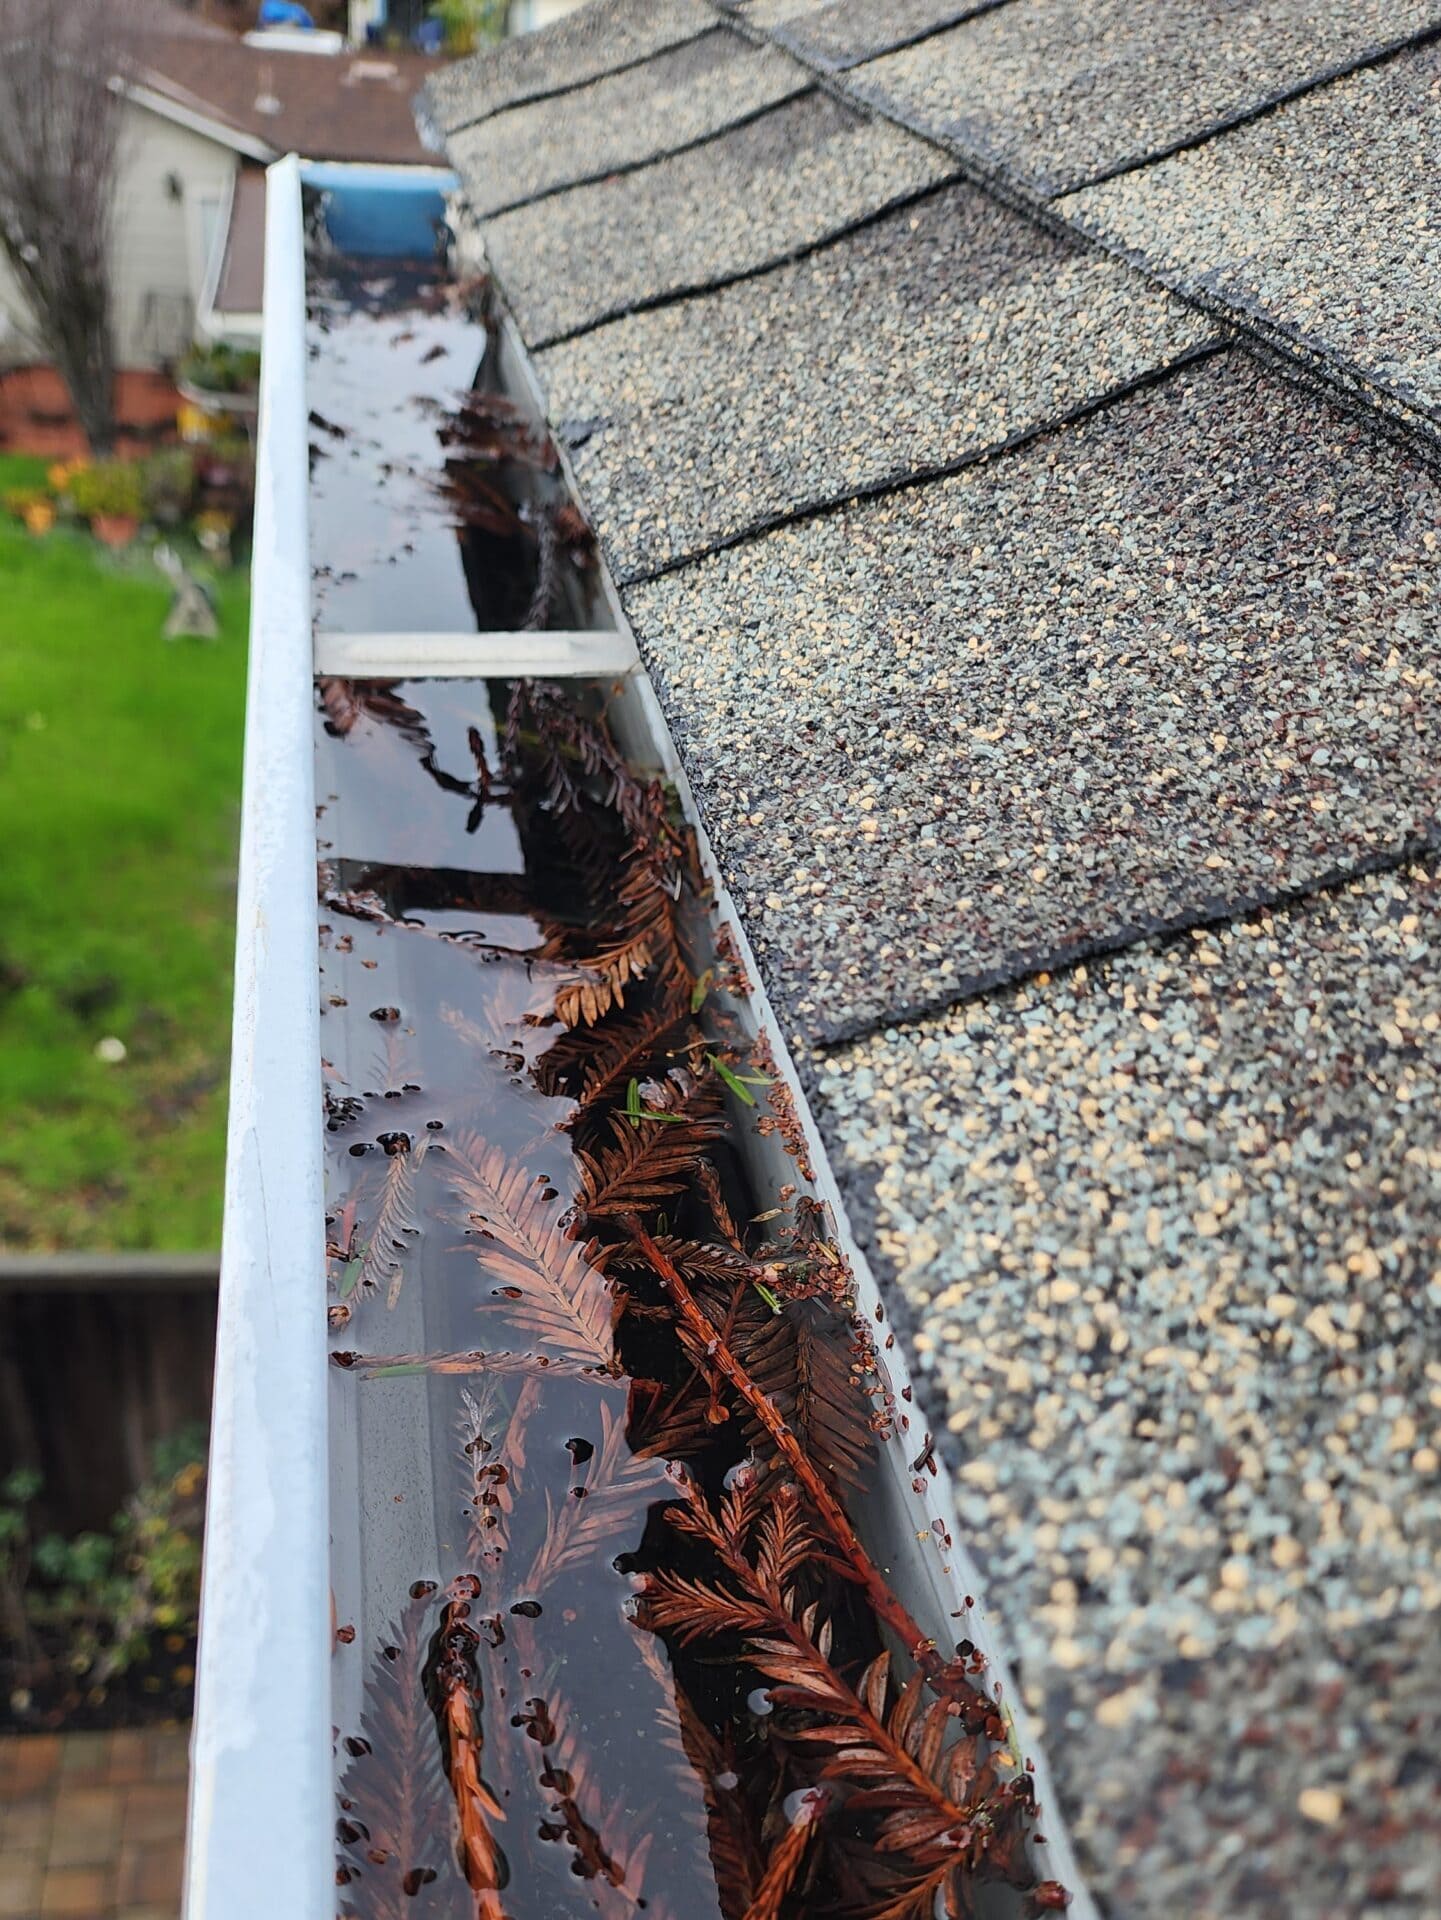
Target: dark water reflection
{"x": 427, "y": 1051}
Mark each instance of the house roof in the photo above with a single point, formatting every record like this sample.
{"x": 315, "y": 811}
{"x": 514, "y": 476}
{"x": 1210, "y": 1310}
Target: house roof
{"x": 1013, "y": 429}
{"x": 326, "y": 107}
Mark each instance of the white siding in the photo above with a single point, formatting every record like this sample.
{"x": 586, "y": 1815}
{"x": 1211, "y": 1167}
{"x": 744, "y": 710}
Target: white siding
{"x": 160, "y": 253}
{"x": 160, "y": 247}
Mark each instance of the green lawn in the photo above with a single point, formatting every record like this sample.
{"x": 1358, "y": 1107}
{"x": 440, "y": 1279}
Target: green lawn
{"x": 119, "y": 792}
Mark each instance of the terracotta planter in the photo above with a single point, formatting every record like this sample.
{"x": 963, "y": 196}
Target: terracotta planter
{"x": 114, "y": 529}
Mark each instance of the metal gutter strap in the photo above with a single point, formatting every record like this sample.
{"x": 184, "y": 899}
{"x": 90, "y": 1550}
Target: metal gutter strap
{"x": 261, "y": 1799}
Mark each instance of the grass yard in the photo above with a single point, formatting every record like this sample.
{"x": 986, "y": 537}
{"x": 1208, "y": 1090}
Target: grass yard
{"x": 119, "y": 790}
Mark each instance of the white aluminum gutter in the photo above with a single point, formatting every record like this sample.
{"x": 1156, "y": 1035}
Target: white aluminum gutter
{"x": 262, "y": 1803}
{"x": 261, "y": 1794}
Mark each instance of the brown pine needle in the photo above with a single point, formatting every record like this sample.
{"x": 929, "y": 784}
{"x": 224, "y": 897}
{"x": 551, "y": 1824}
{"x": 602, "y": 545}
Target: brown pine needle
{"x": 943, "y": 1676}
{"x": 788, "y": 1859}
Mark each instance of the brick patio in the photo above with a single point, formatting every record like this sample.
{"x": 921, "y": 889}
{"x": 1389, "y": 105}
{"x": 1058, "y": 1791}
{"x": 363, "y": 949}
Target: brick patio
{"x": 92, "y": 1825}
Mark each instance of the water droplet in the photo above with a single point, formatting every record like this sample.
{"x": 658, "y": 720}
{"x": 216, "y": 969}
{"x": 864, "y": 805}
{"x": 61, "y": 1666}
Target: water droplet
{"x": 803, "y": 1804}
{"x": 760, "y": 1703}
{"x": 727, "y": 1782}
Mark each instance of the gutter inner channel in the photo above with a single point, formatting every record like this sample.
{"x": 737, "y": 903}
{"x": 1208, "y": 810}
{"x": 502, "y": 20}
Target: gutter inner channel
{"x": 645, "y": 1599}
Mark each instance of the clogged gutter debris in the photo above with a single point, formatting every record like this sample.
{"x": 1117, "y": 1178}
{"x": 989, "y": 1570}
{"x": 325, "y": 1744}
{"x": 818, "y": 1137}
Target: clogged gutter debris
{"x": 613, "y": 1418}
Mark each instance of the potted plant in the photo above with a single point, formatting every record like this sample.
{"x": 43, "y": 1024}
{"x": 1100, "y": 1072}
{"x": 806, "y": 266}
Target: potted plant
{"x": 221, "y": 380}
{"x": 111, "y": 496}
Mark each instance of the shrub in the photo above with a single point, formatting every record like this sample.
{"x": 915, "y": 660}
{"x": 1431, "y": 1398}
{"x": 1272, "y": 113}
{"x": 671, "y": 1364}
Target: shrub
{"x": 109, "y": 489}
{"x": 469, "y": 22}
{"x": 221, "y": 368}
{"x": 89, "y": 1607}
{"x": 168, "y": 481}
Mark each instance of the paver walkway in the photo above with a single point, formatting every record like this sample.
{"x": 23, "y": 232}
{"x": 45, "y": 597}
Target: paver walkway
{"x": 92, "y": 1825}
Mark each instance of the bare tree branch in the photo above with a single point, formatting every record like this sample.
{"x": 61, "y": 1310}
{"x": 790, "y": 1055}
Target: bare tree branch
{"x": 60, "y": 126}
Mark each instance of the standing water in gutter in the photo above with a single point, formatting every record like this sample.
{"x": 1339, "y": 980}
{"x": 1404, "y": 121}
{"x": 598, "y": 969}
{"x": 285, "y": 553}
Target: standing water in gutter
{"x": 607, "y": 1428}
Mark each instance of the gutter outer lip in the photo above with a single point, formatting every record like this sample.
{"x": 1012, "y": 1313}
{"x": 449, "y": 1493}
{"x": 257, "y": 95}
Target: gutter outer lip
{"x": 261, "y": 1796}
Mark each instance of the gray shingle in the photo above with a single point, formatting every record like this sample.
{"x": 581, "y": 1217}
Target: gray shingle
{"x": 679, "y": 97}
{"x": 1126, "y": 677}
{"x": 1319, "y": 222}
{"x": 1296, "y": 1783}
{"x": 1059, "y": 92}
{"x": 600, "y": 38}
{"x": 946, "y": 328}
{"x": 1169, "y": 1230}
{"x": 746, "y": 199}
{"x": 841, "y": 33}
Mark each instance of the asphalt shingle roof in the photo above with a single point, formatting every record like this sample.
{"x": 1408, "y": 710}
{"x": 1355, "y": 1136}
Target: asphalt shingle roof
{"x": 1134, "y": 634}
{"x": 842, "y": 33}
{"x": 1168, "y": 1227}
{"x": 750, "y": 198}
{"x": 1060, "y": 92}
{"x": 683, "y": 95}
{"x": 1321, "y": 222}
{"x": 942, "y": 330}
{"x": 906, "y": 719}
{"x": 604, "y": 37}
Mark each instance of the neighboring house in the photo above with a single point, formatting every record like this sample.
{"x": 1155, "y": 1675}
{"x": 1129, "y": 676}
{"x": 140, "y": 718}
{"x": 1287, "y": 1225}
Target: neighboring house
{"x": 404, "y": 16}
{"x": 204, "y": 113}
{"x": 1013, "y": 430}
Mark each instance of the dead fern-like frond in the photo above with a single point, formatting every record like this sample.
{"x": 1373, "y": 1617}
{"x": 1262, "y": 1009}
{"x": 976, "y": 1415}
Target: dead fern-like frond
{"x": 551, "y": 1286}
{"x": 708, "y": 1180}
{"x": 346, "y": 702}
{"x": 787, "y": 1859}
{"x": 701, "y": 1261}
{"x": 948, "y": 1678}
{"x": 605, "y": 1853}
{"x": 669, "y": 1425}
{"x": 596, "y": 1065}
{"x": 708, "y": 1773}
{"x": 458, "y": 1692}
{"x": 490, "y": 1499}
{"x": 606, "y": 1515}
{"x": 382, "y": 1263}
{"x": 944, "y": 1819}
{"x": 802, "y": 1363}
{"x": 395, "y": 1830}
{"x": 648, "y": 1162}
{"x": 599, "y": 983}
